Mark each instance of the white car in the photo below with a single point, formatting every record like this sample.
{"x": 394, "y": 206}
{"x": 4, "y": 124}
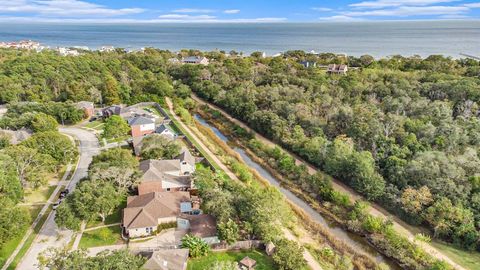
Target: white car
{"x": 56, "y": 204}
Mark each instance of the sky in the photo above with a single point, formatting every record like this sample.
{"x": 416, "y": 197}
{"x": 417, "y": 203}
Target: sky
{"x": 218, "y": 11}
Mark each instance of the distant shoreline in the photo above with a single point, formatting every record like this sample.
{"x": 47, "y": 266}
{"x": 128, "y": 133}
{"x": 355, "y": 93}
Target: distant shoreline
{"x": 379, "y": 39}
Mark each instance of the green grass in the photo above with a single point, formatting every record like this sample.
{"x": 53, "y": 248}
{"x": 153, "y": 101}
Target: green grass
{"x": 97, "y": 125}
{"x": 115, "y": 217}
{"x": 119, "y": 139}
{"x": 106, "y": 236}
{"x": 153, "y": 110}
{"x": 467, "y": 259}
{"x": 29, "y": 241}
{"x": 263, "y": 261}
{"x": 39, "y": 195}
{"x": 11, "y": 245}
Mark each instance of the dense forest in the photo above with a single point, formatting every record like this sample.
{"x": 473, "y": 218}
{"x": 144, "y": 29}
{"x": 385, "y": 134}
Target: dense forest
{"x": 403, "y": 132}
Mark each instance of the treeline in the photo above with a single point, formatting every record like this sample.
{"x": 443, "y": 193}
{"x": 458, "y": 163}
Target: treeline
{"x": 338, "y": 206}
{"x": 401, "y": 131}
{"x": 40, "y": 116}
{"x": 27, "y": 166}
{"x": 102, "y": 78}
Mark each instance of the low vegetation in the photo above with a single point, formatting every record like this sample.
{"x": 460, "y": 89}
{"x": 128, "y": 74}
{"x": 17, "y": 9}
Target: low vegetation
{"x": 353, "y": 216}
{"x": 61, "y": 259}
{"x": 230, "y": 259}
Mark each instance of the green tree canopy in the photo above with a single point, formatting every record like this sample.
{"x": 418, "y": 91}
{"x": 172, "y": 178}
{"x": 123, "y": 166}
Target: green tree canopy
{"x": 115, "y": 127}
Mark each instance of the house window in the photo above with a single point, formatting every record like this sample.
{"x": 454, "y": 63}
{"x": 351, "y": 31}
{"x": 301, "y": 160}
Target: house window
{"x": 168, "y": 189}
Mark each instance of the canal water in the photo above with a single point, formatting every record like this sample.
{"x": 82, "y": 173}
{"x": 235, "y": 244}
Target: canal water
{"x": 353, "y": 240}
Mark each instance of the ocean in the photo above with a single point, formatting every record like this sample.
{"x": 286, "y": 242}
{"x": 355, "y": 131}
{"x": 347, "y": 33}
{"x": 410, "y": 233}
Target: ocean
{"x": 379, "y": 39}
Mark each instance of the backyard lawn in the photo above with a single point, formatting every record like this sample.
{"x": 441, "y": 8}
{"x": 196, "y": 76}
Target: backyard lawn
{"x": 263, "y": 261}
{"x": 106, "y": 236}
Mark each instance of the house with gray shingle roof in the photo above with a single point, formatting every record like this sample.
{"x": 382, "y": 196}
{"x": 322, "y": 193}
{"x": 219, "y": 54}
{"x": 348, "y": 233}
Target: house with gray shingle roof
{"x": 165, "y": 131}
{"x": 141, "y": 126}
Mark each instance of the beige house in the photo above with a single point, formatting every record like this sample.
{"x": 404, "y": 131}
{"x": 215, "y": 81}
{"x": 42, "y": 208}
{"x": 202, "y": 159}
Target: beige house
{"x": 167, "y": 175}
{"x": 145, "y": 212}
{"x": 196, "y": 60}
{"x": 337, "y": 69}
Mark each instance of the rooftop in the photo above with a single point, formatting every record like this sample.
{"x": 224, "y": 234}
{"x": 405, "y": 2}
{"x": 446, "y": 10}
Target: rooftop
{"x": 167, "y": 259}
{"x": 145, "y": 210}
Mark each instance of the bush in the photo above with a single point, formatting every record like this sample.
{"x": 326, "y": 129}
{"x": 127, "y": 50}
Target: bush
{"x": 43, "y": 122}
{"x": 166, "y": 226}
{"x": 242, "y": 171}
{"x": 115, "y": 127}
{"x": 196, "y": 246}
{"x": 288, "y": 255}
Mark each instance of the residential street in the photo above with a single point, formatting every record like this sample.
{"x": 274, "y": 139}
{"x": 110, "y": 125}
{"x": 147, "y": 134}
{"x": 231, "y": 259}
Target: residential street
{"x": 50, "y": 235}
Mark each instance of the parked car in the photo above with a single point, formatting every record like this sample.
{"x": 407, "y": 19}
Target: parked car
{"x": 56, "y": 204}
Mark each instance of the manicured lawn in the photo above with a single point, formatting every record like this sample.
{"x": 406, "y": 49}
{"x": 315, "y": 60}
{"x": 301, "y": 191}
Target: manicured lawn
{"x": 153, "y": 110}
{"x": 97, "y": 125}
{"x": 39, "y": 195}
{"x": 119, "y": 139}
{"x": 469, "y": 260}
{"x": 115, "y": 217}
{"x": 263, "y": 261}
{"x": 195, "y": 143}
{"x": 101, "y": 237}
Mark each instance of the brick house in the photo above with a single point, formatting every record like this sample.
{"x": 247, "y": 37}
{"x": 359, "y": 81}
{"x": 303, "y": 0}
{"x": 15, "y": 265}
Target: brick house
{"x": 141, "y": 126}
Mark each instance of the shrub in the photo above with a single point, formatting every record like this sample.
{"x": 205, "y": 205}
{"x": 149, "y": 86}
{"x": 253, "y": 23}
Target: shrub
{"x": 196, "y": 246}
{"x": 43, "y": 122}
{"x": 166, "y": 226}
{"x": 288, "y": 255}
{"x": 115, "y": 127}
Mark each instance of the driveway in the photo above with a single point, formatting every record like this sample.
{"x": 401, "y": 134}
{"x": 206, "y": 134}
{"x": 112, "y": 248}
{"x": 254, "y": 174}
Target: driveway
{"x": 168, "y": 239}
{"x": 50, "y": 235}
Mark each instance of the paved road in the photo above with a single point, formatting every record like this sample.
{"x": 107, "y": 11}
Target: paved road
{"x": 375, "y": 209}
{"x": 50, "y": 235}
